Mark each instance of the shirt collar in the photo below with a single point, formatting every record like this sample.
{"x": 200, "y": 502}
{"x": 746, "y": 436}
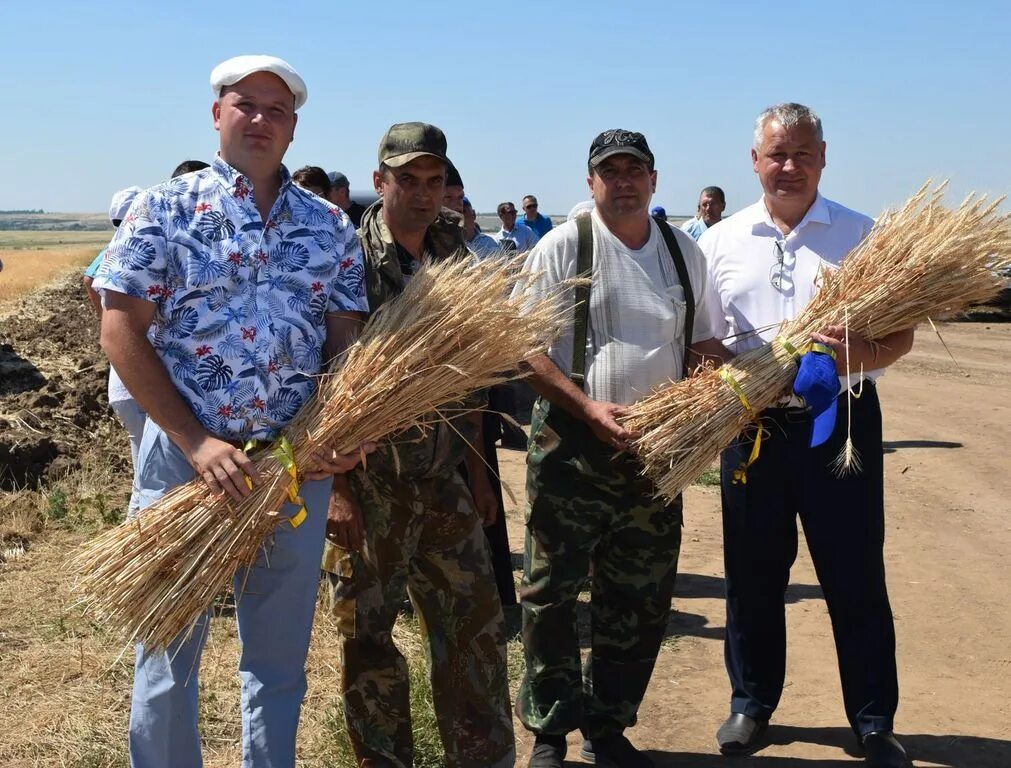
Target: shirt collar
{"x": 818, "y": 213}
{"x": 236, "y": 182}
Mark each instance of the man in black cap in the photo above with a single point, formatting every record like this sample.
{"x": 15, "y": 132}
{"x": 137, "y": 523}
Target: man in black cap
{"x": 410, "y": 519}
{"x": 340, "y": 195}
{"x": 588, "y": 504}
{"x": 453, "y": 196}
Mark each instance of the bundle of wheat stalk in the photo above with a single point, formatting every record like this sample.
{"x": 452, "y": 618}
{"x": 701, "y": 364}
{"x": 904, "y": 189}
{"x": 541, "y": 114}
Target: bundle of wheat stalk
{"x": 454, "y": 330}
{"x": 919, "y": 262}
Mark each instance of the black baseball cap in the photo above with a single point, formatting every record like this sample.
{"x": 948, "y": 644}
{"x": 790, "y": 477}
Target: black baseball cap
{"x": 453, "y": 178}
{"x": 618, "y": 141}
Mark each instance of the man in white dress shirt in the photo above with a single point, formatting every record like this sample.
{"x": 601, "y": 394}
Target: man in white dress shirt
{"x": 764, "y": 263}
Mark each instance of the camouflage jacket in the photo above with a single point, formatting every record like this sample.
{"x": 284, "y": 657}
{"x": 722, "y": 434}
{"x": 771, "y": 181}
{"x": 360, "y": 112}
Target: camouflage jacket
{"x": 439, "y": 449}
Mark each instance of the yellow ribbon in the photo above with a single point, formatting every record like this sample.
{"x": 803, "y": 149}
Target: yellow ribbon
{"x": 825, "y": 349}
{"x": 741, "y": 473}
{"x": 786, "y": 344}
{"x": 285, "y": 455}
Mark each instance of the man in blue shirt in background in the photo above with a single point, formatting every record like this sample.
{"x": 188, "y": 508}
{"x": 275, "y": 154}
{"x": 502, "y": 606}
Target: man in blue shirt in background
{"x": 538, "y": 222}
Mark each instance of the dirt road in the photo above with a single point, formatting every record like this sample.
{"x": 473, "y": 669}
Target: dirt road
{"x": 947, "y": 552}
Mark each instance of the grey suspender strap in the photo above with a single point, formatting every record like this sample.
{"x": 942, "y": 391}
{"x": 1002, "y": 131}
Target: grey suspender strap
{"x": 584, "y": 267}
{"x": 686, "y": 285}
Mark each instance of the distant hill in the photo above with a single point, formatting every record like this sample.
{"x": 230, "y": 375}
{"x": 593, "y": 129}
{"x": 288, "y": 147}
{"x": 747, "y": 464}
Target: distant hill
{"x": 43, "y": 222}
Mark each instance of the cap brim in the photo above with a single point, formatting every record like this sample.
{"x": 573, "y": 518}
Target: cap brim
{"x": 824, "y": 424}
{"x": 399, "y": 160}
{"x": 611, "y": 151}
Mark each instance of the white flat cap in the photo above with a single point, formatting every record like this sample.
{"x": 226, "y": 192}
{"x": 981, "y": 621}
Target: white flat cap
{"x": 232, "y": 71}
{"x": 121, "y": 203}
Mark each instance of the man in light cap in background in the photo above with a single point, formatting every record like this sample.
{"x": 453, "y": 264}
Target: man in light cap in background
{"x": 226, "y": 291}
{"x": 633, "y": 328}
{"x": 410, "y": 520}
{"x": 130, "y": 415}
{"x": 340, "y": 195}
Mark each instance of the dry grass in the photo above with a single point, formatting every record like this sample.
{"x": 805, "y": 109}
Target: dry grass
{"x": 921, "y": 261}
{"x": 451, "y": 332}
{"x": 87, "y": 499}
{"x": 30, "y": 269}
{"x": 65, "y": 683}
{"x": 22, "y": 517}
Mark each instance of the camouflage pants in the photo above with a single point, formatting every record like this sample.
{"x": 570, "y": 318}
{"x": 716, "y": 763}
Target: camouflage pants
{"x": 424, "y": 536}
{"x": 587, "y": 506}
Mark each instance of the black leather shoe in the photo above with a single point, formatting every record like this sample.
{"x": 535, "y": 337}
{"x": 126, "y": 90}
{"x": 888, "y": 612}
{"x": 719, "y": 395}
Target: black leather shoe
{"x": 549, "y": 751}
{"x": 740, "y": 735}
{"x": 882, "y": 750}
{"x": 613, "y": 751}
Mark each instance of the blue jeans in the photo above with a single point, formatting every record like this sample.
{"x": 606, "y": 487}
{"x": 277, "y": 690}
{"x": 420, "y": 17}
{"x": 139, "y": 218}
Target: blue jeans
{"x": 133, "y": 419}
{"x": 274, "y": 607}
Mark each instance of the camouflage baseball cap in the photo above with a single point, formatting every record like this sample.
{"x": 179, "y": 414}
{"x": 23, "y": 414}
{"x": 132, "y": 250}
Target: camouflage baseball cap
{"x": 405, "y": 142}
{"x": 619, "y": 142}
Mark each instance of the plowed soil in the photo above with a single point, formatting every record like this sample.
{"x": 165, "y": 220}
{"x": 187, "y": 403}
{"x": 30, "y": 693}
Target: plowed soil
{"x": 53, "y": 377}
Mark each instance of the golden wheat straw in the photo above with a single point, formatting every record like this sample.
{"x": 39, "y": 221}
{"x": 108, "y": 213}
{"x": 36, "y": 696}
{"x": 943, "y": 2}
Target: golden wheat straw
{"x": 921, "y": 261}
{"x": 454, "y": 330}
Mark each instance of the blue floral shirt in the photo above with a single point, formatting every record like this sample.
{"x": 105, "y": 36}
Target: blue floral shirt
{"x": 239, "y": 322}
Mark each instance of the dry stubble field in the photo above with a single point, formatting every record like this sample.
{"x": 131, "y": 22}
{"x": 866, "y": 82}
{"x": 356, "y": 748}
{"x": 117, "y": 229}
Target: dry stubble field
{"x": 32, "y": 259}
{"x": 64, "y": 682}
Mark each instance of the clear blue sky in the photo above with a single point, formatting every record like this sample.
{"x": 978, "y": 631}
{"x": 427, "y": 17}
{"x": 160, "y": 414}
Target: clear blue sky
{"x": 95, "y": 99}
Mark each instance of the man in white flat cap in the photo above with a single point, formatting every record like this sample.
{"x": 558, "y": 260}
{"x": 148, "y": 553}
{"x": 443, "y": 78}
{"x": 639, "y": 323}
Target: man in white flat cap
{"x": 226, "y": 291}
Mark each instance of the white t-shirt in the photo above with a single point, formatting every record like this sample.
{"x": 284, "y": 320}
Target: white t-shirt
{"x": 743, "y": 256}
{"x": 117, "y": 390}
{"x": 635, "y": 334}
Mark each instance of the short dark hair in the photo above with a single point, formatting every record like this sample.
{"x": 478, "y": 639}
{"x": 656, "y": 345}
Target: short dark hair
{"x": 189, "y": 166}
{"x": 502, "y": 206}
{"x": 713, "y": 192}
{"x": 312, "y": 176}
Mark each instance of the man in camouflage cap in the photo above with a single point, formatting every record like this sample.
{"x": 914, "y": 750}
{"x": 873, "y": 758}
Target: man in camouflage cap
{"x": 587, "y": 504}
{"x": 410, "y": 520}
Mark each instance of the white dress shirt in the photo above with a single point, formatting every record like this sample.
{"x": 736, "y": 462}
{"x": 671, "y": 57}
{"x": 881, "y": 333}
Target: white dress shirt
{"x": 763, "y": 277}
